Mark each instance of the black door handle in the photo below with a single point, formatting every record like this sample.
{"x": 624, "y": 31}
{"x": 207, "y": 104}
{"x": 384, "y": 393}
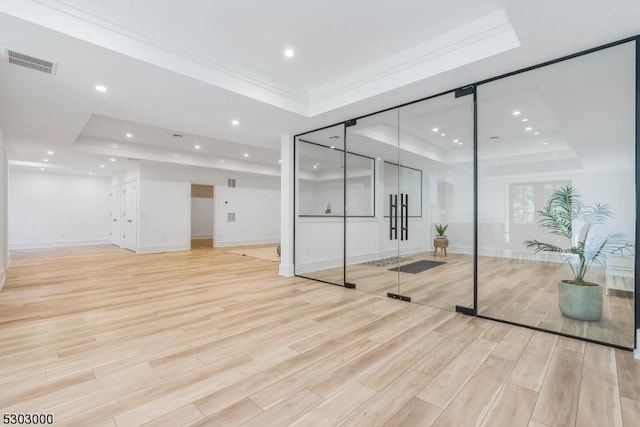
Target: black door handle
{"x": 393, "y": 215}
{"x": 401, "y": 216}
{"x": 405, "y": 230}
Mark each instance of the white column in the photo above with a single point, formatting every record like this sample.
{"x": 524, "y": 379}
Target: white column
{"x": 286, "y": 205}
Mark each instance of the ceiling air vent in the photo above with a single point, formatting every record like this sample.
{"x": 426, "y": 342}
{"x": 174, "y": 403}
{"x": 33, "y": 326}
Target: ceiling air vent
{"x": 32, "y": 62}
{"x": 231, "y": 217}
{"x": 231, "y": 183}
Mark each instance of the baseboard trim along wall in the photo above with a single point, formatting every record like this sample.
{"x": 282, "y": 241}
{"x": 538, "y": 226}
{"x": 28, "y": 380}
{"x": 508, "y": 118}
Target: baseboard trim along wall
{"x": 309, "y": 267}
{"x": 58, "y": 244}
{"x": 202, "y": 236}
{"x": 225, "y": 244}
{"x": 162, "y": 248}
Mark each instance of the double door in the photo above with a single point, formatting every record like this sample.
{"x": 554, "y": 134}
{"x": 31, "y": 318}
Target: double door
{"x": 370, "y": 191}
{"x": 124, "y": 216}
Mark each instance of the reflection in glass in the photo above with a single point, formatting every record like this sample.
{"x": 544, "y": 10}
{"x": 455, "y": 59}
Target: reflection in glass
{"x": 319, "y": 219}
{"x": 579, "y": 135}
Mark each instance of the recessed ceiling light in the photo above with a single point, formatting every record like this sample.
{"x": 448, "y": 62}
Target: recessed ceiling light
{"x": 280, "y": 161}
{"x": 332, "y": 147}
{"x": 460, "y": 143}
{"x": 101, "y": 166}
{"x": 435, "y": 129}
{"x": 528, "y": 128}
{"x": 41, "y": 169}
{"x": 197, "y": 147}
{"x": 246, "y": 154}
{"x": 129, "y": 135}
{"x": 112, "y": 159}
{"x": 90, "y": 173}
{"x": 315, "y": 166}
{"x": 536, "y": 133}
{"x": 456, "y": 140}
{"x": 235, "y": 122}
{"x": 516, "y": 113}
{"x": 45, "y": 160}
{"x": 525, "y": 120}
{"x": 51, "y": 153}
{"x": 101, "y": 88}
{"x": 443, "y": 134}
{"x": 289, "y": 53}
{"x": 379, "y": 158}
{"x": 545, "y": 143}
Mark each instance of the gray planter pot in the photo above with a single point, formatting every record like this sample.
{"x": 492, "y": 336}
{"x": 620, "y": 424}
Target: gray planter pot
{"x": 580, "y": 302}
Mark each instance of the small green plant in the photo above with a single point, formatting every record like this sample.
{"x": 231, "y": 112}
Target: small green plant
{"x": 563, "y": 210}
{"x": 441, "y": 229}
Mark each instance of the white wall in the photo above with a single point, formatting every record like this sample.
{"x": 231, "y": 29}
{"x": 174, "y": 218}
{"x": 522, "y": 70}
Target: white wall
{"x": 613, "y": 187}
{"x": 165, "y": 204}
{"x": 4, "y": 251}
{"x": 165, "y": 215}
{"x": 51, "y": 209}
{"x": 257, "y": 218}
{"x": 201, "y": 217}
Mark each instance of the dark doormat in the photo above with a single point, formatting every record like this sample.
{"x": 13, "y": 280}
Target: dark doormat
{"x": 417, "y": 267}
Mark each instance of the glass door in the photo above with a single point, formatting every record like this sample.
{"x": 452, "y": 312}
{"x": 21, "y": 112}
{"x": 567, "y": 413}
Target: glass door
{"x": 435, "y": 171}
{"x": 373, "y": 228}
{"x": 319, "y": 202}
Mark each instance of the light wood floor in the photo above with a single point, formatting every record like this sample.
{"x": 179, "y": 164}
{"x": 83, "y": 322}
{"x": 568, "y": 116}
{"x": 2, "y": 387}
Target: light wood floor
{"x": 520, "y": 291}
{"x": 100, "y": 336}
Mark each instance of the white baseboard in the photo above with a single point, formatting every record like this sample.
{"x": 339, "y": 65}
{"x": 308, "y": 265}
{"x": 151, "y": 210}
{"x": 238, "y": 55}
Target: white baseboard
{"x": 225, "y": 244}
{"x": 57, "y": 244}
{"x": 202, "y": 236}
{"x": 636, "y": 352}
{"x": 326, "y": 264}
{"x": 162, "y": 248}
{"x": 507, "y": 253}
{"x": 286, "y": 270}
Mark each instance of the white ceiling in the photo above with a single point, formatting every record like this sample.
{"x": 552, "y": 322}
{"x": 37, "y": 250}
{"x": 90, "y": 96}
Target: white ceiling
{"x": 194, "y": 68}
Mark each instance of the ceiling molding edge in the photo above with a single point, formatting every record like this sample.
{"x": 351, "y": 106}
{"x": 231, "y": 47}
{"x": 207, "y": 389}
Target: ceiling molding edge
{"x": 96, "y": 146}
{"x": 485, "y": 37}
{"x": 474, "y": 41}
{"x": 60, "y": 17}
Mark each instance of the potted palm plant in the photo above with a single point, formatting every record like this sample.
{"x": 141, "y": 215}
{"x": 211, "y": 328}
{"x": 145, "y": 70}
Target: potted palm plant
{"x": 563, "y": 214}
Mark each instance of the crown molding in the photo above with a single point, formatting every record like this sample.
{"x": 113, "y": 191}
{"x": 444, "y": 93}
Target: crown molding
{"x": 477, "y": 40}
{"x": 474, "y": 41}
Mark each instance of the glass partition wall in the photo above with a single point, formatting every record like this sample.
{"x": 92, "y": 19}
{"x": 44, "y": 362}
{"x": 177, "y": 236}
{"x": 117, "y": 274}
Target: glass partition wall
{"x": 319, "y": 202}
{"x": 512, "y": 199}
{"x": 557, "y": 197}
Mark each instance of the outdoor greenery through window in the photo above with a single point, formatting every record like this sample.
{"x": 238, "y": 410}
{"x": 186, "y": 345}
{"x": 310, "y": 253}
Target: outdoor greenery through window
{"x": 528, "y": 198}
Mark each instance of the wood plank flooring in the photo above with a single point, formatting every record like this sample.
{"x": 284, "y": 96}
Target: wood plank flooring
{"x": 100, "y": 336}
{"x": 520, "y": 291}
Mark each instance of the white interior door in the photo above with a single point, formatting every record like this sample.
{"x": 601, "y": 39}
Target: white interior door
{"x": 129, "y": 216}
{"x": 116, "y": 220}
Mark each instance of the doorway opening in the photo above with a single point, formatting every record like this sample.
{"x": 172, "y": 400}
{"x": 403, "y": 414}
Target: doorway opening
{"x": 201, "y": 216}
